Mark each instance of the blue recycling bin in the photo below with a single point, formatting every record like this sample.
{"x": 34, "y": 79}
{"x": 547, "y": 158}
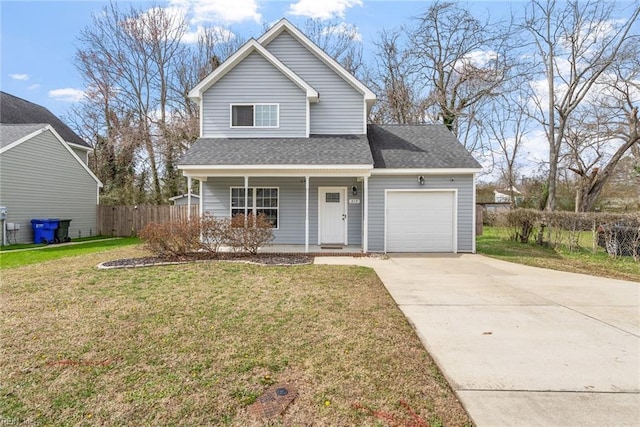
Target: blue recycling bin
{"x": 44, "y": 230}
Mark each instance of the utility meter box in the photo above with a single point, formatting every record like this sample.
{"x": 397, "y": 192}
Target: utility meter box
{"x": 3, "y": 213}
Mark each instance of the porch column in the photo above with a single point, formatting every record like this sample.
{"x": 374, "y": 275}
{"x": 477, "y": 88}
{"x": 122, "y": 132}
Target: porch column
{"x": 189, "y": 183}
{"x": 365, "y": 219}
{"x": 246, "y": 199}
{"x": 306, "y": 215}
{"x": 201, "y": 204}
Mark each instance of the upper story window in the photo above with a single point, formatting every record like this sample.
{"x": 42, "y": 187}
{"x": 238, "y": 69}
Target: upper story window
{"x": 255, "y": 115}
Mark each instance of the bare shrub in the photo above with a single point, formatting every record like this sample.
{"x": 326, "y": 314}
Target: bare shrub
{"x": 522, "y": 223}
{"x": 215, "y": 232}
{"x": 172, "y": 239}
{"x": 249, "y": 233}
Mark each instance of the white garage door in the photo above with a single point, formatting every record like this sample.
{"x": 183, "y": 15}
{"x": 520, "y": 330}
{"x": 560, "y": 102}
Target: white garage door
{"x": 420, "y": 221}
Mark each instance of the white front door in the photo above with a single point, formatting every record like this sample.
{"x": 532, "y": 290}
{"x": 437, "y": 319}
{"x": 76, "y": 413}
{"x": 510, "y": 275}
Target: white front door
{"x": 332, "y": 218}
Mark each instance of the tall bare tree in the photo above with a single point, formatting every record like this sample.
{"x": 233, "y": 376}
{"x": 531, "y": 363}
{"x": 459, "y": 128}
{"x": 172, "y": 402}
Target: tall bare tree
{"x": 339, "y": 40}
{"x": 138, "y": 71}
{"x": 508, "y": 125}
{"x": 398, "y": 97}
{"x": 462, "y": 62}
{"x": 606, "y": 127}
{"x": 576, "y": 42}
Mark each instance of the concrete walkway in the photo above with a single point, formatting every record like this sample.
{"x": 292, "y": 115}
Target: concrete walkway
{"x": 523, "y": 346}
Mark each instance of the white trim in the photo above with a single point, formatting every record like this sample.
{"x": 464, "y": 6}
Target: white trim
{"x": 251, "y": 46}
{"x": 60, "y": 140}
{"x": 473, "y": 230}
{"x": 275, "y": 167}
{"x": 308, "y": 125}
{"x": 365, "y": 215}
{"x": 189, "y": 184}
{"x": 185, "y": 195}
{"x": 435, "y": 190}
{"x": 283, "y": 24}
{"x": 241, "y": 104}
{"x": 306, "y": 215}
{"x": 79, "y": 147}
{"x": 253, "y": 196}
{"x": 201, "y": 199}
{"x": 343, "y": 191}
{"x": 428, "y": 171}
{"x": 201, "y": 119}
{"x": 333, "y": 173}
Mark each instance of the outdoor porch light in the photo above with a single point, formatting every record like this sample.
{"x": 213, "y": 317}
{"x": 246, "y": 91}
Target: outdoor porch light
{"x": 421, "y": 180}
{"x": 354, "y": 190}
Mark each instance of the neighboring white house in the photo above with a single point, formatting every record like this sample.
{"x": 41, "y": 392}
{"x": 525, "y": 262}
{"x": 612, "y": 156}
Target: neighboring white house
{"x": 42, "y": 173}
{"x": 504, "y": 196}
{"x": 284, "y": 132}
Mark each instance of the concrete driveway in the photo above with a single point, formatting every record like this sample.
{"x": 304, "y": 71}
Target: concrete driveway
{"x": 523, "y": 346}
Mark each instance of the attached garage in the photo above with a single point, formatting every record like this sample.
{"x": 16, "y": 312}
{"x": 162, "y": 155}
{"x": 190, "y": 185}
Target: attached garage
{"x": 421, "y": 221}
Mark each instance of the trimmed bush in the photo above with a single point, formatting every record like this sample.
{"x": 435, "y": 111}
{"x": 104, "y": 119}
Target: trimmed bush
{"x": 172, "y": 239}
{"x": 250, "y": 233}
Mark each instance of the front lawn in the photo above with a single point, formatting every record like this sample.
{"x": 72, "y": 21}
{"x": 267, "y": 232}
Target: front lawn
{"x": 495, "y": 243}
{"x": 195, "y": 344}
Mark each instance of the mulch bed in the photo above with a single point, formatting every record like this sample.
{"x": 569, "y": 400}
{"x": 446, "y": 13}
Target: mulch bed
{"x": 264, "y": 259}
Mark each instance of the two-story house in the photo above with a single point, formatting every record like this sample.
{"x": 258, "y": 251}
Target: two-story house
{"x": 283, "y": 132}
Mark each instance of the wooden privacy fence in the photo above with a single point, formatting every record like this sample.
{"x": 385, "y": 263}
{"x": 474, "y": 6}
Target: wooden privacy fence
{"x": 125, "y": 221}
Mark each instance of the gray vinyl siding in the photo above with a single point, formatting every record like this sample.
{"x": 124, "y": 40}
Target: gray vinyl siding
{"x": 291, "y": 194}
{"x": 82, "y": 154}
{"x": 341, "y": 107}
{"x": 254, "y": 80}
{"x": 378, "y": 185}
{"x": 41, "y": 179}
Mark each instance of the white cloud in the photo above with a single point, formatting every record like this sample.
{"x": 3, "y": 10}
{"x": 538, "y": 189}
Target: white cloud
{"x": 220, "y": 34}
{"x": 33, "y": 86}
{"x": 66, "y": 94}
{"x": 322, "y": 9}
{"x": 219, "y": 11}
{"x": 19, "y": 76}
{"x": 350, "y": 30}
{"x": 481, "y": 58}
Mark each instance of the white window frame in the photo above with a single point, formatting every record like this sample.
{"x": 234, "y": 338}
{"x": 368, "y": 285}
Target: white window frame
{"x": 254, "y": 105}
{"x": 251, "y": 209}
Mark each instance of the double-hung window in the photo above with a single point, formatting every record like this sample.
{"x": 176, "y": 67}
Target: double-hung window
{"x": 259, "y": 201}
{"x": 255, "y": 115}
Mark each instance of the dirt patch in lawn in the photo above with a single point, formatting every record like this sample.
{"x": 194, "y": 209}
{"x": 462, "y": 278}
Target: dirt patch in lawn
{"x": 198, "y": 343}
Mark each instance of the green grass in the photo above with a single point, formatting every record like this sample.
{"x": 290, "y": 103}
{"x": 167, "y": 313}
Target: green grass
{"x": 196, "y": 344}
{"x": 12, "y": 259}
{"x": 495, "y": 243}
{"x": 14, "y": 246}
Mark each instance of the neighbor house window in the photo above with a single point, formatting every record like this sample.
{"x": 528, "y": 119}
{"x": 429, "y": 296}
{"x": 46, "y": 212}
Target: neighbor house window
{"x": 260, "y": 201}
{"x": 255, "y": 115}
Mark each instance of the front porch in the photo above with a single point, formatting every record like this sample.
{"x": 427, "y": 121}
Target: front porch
{"x": 314, "y": 249}
{"x": 324, "y": 213}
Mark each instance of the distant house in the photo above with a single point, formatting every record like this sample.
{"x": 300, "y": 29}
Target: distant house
{"x": 284, "y": 133}
{"x": 504, "y": 196}
{"x": 43, "y": 170}
{"x": 183, "y": 199}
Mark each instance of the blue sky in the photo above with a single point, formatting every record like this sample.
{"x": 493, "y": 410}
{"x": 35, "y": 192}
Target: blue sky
{"x": 39, "y": 38}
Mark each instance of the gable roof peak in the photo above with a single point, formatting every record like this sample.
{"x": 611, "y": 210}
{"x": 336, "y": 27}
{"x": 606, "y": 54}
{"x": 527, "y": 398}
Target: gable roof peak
{"x": 252, "y": 45}
{"x": 283, "y": 24}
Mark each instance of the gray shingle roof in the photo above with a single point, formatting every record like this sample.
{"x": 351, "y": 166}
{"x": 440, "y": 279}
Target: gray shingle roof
{"x": 12, "y": 133}
{"x": 14, "y": 110}
{"x": 315, "y": 150}
{"x": 417, "y": 146}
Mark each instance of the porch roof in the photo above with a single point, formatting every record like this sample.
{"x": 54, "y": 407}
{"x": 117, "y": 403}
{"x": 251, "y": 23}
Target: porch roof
{"x": 316, "y": 150}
